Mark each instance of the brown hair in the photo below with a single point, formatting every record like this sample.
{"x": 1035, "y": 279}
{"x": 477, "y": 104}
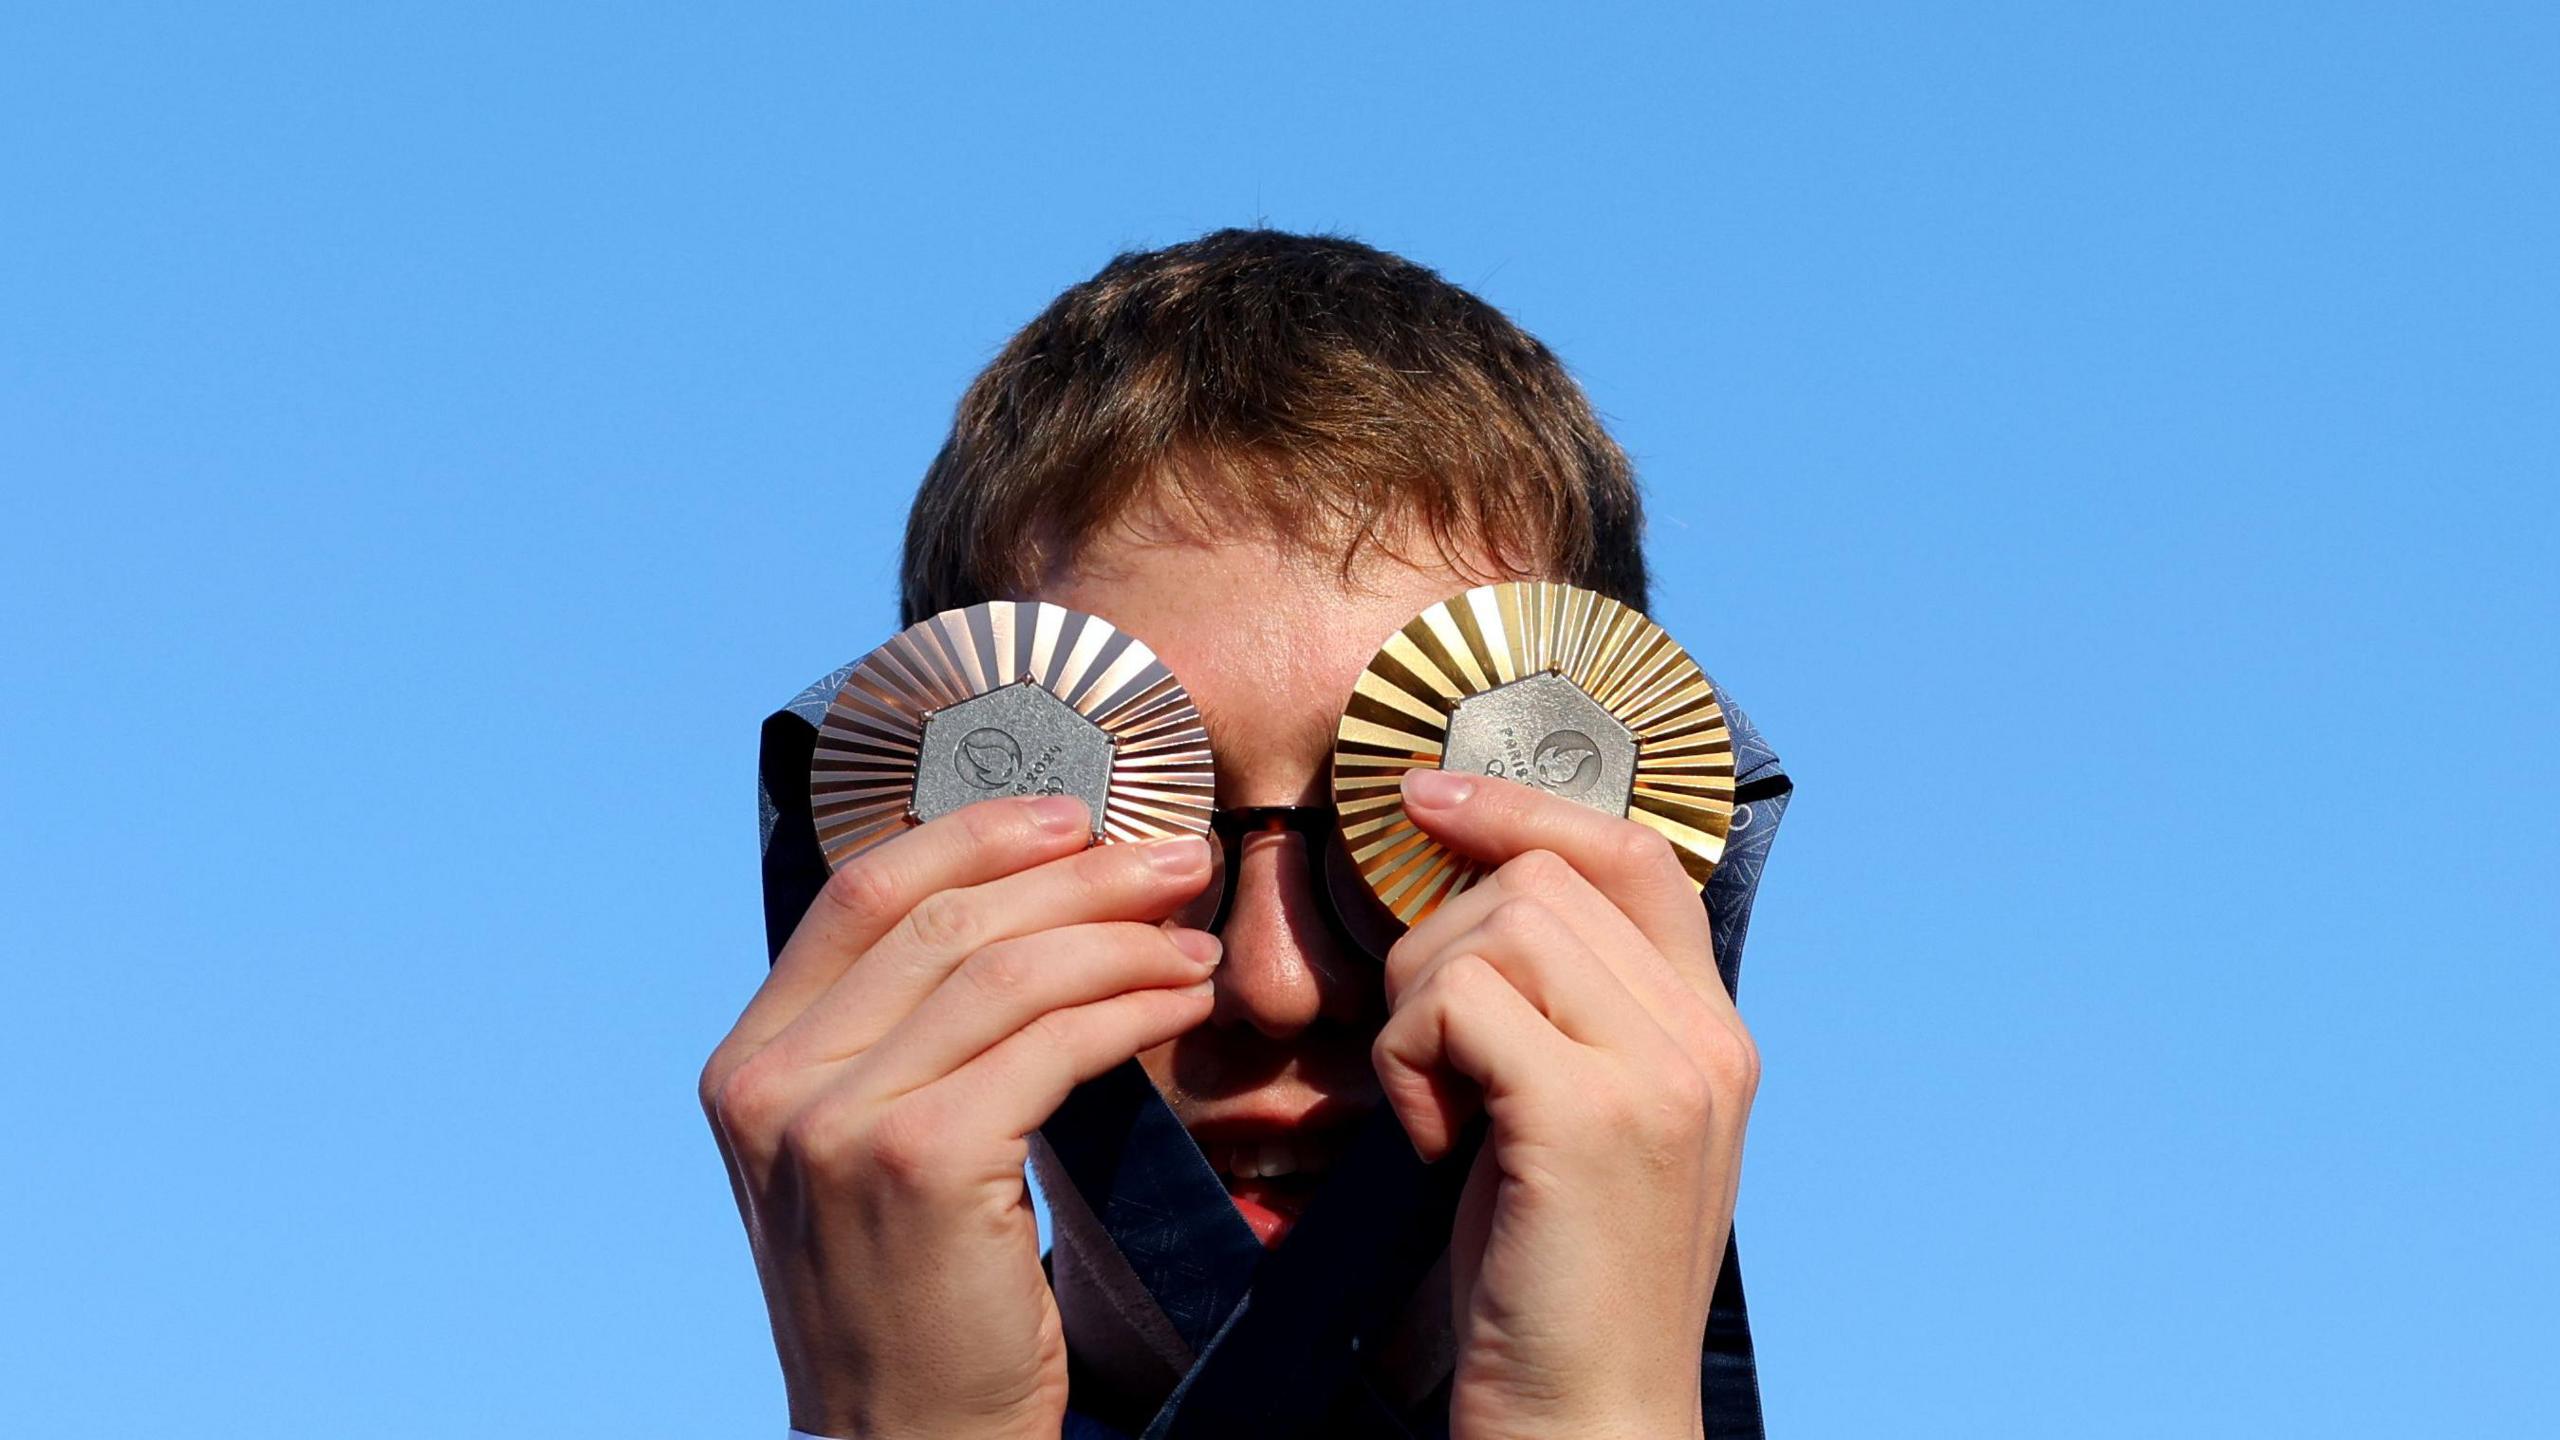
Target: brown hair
{"x": 1340, "y": 395}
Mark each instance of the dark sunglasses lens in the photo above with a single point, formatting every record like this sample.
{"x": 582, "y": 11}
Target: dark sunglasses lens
{"x": 1368, "y": 924}
{"x": 1201, "y": 912}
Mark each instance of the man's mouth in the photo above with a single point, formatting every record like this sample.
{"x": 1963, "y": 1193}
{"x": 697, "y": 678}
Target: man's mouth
{"x": 1272, "y": 1176}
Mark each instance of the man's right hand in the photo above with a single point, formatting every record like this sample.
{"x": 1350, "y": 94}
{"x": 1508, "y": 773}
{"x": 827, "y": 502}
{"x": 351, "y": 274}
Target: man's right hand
{"x": 937, "y": 1002}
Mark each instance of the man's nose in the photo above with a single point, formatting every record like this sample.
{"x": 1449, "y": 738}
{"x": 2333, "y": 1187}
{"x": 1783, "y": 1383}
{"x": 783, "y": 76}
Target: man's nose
{"x": 1283, "y": 968}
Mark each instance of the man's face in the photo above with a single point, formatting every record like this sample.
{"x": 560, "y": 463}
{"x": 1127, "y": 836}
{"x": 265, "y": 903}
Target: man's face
{"x": 1269, "y": 647}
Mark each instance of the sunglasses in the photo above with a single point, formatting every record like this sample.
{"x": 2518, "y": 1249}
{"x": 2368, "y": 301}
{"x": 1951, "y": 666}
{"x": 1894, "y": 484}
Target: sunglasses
{"x": 1345, "y": 905}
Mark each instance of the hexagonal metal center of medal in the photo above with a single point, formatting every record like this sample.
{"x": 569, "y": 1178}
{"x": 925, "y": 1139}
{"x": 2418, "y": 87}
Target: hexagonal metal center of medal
{"x": 1543, "y": 730}
{"x": 1019, "y": 740}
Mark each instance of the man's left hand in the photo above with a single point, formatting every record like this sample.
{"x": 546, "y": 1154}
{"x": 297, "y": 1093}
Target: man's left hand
{"x": 1572, "y": 995}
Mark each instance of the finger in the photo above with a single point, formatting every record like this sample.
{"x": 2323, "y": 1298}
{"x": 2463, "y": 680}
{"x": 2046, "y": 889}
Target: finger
{"x": 1021, "y": 1080}
{"x": 871, "y": 892}
{"x": 1007, "y": 985}
{"x": 1532, "y": 947}
{"x": 1107, "y": 882}
{"x": 1673, "y": 994}
{"x": 1681, "y": 996}
{"x": 1463, "y": 1034}
{"x": 1431, "y": 934}
{"x": 1493, "y": 819}
{"x": 1543, "y": 876}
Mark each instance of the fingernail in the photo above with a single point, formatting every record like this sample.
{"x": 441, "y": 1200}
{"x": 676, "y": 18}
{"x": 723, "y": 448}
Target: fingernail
{"x": 1181, "y": 855}
{"x": 1203, "y": 947}
{"x": 1202, "y": 987}
{"x": 1436, "y": 789}
{"x": 1058, "y": 814}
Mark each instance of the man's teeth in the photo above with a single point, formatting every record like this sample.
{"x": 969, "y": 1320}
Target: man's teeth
{"x": 1263, "y": 1160}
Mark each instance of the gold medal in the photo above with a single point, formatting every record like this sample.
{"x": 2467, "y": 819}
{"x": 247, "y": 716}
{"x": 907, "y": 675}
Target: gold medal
{"x": 1549, "y": 685}
{"x": 1012, "y": 697}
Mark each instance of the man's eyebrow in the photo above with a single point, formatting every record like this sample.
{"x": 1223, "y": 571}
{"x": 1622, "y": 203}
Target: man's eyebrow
{"x": 1211, "y": 722}
{"x": 1318, "y": 739}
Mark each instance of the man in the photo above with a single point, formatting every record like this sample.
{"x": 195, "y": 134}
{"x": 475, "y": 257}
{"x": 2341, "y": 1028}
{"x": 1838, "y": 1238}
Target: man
{"x": 1260, "y": 453}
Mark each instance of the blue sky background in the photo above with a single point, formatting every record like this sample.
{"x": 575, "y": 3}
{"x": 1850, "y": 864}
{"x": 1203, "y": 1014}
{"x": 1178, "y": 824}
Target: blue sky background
{"x": 2110, "y": 449}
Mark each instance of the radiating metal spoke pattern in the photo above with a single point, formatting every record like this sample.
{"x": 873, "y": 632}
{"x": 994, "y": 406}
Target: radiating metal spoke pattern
{"x": 1398, "y": 718}
{"x": 862, "y": 776}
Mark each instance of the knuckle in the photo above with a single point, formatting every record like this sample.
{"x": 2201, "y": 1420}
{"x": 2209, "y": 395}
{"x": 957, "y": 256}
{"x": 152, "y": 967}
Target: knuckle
{"x": 1522, "y": 919}
{"x": 1000, "y": 972}
{"x": 706, "y": 1085}
{"x": 1536, "y": 872}
{"x": 747, "y": 1102}
{"x": 1666, "y": 1129}
{"x": 1732, "y": 1060}
{"x": 815, "y": 1141}
{"x": 907, "y": 1147}
{"x": 1638, "y": 847}
{"x": 944, "y": 921}
{"x": 864, "y": 890}
{"x": 1052, "y": 1029}
{"x": 1464, "y": 975}
{"x": 1387, "y": 1048}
